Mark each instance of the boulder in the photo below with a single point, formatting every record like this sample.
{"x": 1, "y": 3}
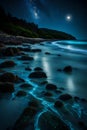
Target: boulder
{"x": 67, "y": 69}
{"x": 65, "y": 97}
{"x": 2, "y": 45}
{"x": 26, "y": 86}
{"x": 11, "y": 51}
{"x": 8, "y": 77}
{"x": 38, "y": 69}
{"x": 47, "y": 53}
{"x": 7, "y": 64}
{"x": 28, "y": 68}
{"x": 6, "y": 87}
{"x": 48, "y": 94}
{"x": 27, "y": 118}
{"x": 49, "y": 121}
{"x": 51, "y": 87}
{"x": 36, "y": 50}
{"x": 58, "y": 104}
{"x": 37, "y": 75}
{"x": 25, "y": 57}
{"x": 21, "y": 93}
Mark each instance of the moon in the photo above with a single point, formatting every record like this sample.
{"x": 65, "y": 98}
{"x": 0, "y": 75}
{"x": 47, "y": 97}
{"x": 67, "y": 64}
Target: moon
{"x": 68, "y": 18}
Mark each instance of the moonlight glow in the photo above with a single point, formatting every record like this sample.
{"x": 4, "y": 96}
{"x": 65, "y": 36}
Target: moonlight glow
{"x": 68, "y": 17}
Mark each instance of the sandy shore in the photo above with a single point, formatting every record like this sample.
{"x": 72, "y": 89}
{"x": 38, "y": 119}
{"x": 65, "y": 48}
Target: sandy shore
{"x": 10, "y": 38}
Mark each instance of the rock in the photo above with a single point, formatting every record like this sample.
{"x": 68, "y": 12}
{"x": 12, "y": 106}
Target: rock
{"x": 21, "y": 93}
{"x": 49, "y": 121}
{"x": 81, "y": 124}
{"x": 83, "y": 100}
{"x": 65, "y": 97}
{"x": 28, "y": 116}
{"x": 76, "y": 98}
{"x": 38, "y": 69}
{"x": 28, "y": 68}
{"x": 26, "y": 86}
{"x": 2, "y": 45}
{"x": 19, "y": 80}
{"x": 58, "y": 104}
{"x": 59, "y": 55}
{"x": 11, "y": 51}
{"x": 34, "y": 103}
{"x": 36, "y": 50}
{"x": 51, "y": 87}
{"x": 6, "y": 87}
{"x": 47, "y": 53}
{"x": 67, "y": 69}
{"x": 25, "y": 57}
{"x": 8, "y": 77}
{"x": 48, "y": 94}
{"x": 7, "y": 64}
{"x": 37, "y": 75}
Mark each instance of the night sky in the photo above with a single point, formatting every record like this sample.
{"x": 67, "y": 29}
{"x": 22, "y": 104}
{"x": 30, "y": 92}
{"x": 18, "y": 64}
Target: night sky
{"x": 64, "y": 15}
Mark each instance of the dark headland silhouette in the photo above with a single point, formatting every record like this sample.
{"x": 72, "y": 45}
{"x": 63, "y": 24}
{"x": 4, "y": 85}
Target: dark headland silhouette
{"x": 19, "y": 27}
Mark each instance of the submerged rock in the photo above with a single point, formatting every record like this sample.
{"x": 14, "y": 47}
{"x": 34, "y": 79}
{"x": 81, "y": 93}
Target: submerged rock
{"x": 47, "y": 53}
{"x": 38, "y": 69}
{"x": 6, "y": 87}
{"x": 25, "y": 57}
{"x": 11, "y": 51}
{"x": 8, "y": 77}
{"x": 2, "y": 45}
{"x": 7, "y": 64}
{"x": 36, "y": 50}
{"x": 48, "y": 94}
{"x": 58, "y": 104}
{"x": 28, "y": 116}
{"x": 51, "y": 87}
{"x": 21, "y": 93}
{"x": 67, "y": 69}
{"x": 26, "y": 86}
{"x": 65, "y": 97}
{"x": 37, "y": 75}
{"x": 28, "y": 68}
{"x": 49, "y": 121}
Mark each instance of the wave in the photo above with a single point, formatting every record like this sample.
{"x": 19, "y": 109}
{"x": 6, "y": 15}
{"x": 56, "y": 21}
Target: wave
{"x": 72, "y": 46}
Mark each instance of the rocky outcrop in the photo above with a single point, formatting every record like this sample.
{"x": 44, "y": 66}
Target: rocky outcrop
{"x": 65, "y": 97}
{"x": 26, "y": 57}
{"x": 51, "y": 87}
{"x": 67, "y": 69}
{"x": 21, "y": 93}
{"x": 6, "y": 87}
{"x": 38, "y": 75}
{"x": 7, "y": 64}
{"x": 49, "y": 121}
{"x": 58, "y": 104}
{"x": 38, "y": 69}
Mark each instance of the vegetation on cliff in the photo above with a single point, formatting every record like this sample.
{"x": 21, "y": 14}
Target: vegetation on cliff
{"x": 15, "y": 26}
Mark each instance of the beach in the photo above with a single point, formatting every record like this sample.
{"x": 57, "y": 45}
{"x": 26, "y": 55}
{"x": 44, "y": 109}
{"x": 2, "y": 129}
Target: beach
{"x": 49, "y": 81}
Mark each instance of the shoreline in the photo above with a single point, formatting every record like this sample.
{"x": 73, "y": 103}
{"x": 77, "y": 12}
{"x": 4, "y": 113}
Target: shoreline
{"x": 20, "y": 39}
{"x": 37, "y": 84}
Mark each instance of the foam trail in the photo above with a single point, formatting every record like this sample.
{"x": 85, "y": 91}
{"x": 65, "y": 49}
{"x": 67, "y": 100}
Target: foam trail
{"x": 69, "y": 47}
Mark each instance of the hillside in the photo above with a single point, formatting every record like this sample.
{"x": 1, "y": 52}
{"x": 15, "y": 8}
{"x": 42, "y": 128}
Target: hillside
{"x": 20, "y": 27}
